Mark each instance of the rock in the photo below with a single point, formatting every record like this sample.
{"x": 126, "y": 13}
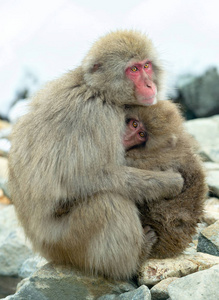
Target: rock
{"x": 199, "y": 286}
{"x": 4, "y": 175}
{"x": 200, "y": 95}
{"x": 5, "y": 144}
{"x": 13, "y": 252}
{"x": 62, "y": 282}
{"x": 3, "y": 199}
{"x": 8, "y": 222}
{"x": 213, "y": 182}
{"x": 142, "y": 293}
{"x": 3, "y": 168}
{"x": 206, "y": 132}
{"x": 211, "y": 166}
{"x": 213, "y": 177}
{"x": 208, "y": 241}
{"x": 160, "y": 290}
{"x": 8, "y": 285}
{"x": 4, "y": 125}
{"x": 192, "y": 249}
{"x": 211, "y": 211}
{"x": 155, "y": 270}
{"x": 14, "y": 248}
{"x": 30, "y": 266}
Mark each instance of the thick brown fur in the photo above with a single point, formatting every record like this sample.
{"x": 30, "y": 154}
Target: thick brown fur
{"x": 170, "y": 146}
{"x": 73, "y": 193}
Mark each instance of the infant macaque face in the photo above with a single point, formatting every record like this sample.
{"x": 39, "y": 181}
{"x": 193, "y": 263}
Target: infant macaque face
{"x": 135, "y": 134}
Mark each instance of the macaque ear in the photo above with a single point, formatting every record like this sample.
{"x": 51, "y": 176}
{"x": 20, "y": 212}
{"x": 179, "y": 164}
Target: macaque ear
{"x": 96, "y": 67}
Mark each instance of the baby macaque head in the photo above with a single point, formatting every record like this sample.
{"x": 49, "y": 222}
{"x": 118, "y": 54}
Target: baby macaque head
{"x": 135, "y": 134}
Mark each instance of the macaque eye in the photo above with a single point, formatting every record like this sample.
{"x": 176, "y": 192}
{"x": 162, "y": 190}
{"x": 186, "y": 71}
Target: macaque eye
{"x": 146, "y": 66}
{"x": 134, "y": 69}
{"x": 142, "y": 134}
{"x": 134, "y": 124}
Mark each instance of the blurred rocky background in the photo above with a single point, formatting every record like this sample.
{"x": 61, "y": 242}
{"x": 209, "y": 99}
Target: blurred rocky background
{"x": 198, "y": 95}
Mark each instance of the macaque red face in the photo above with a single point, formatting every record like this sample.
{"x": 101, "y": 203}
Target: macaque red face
{"x": 135, "y": 134}
{"x": 141, "y": 73}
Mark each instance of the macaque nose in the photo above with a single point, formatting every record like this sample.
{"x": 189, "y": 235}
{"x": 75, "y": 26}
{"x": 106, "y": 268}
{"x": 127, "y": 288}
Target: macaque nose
{"x": 148, "y": 83}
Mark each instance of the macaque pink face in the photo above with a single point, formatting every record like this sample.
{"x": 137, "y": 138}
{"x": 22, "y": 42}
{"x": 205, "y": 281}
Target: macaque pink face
{"x": 141, "y": 73}
{"x": 135, "y": 134}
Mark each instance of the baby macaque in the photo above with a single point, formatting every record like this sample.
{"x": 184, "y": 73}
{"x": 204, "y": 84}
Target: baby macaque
{"x": 155, "y": 139}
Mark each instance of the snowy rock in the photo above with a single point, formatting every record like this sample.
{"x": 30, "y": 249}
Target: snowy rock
{"x": 213, "y": 182}
{"x": 4, "y": 175}
{"x": 206, "y": 132}
{"x": 19, "y": 109}
{"x": 3, "y": 169}
{"x": 5, "y": 146}
{"x": 198, "y": 286}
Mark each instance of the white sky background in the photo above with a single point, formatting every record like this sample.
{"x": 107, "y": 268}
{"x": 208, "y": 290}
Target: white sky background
{"x": 49, "y": 37}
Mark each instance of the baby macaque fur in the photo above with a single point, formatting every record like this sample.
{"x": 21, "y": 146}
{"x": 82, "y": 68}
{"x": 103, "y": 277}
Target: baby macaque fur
{"x": 168, "y": 145}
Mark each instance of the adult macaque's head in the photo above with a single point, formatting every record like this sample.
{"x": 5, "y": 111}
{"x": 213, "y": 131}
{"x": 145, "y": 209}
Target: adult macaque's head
{"x": 124, "y": 66}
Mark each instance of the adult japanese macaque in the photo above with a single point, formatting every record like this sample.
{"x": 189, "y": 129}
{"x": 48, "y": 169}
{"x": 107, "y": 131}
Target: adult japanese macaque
{"x": 163, "y": 144}
{"x": 73, "y": 193}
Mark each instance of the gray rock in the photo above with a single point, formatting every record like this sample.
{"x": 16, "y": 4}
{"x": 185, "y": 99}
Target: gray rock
{"x": 208, "y": 241}
{"x": 8, "y": 221}
{"x": 30, "y": 266}
{"x": 142, "y": 293}
{"x": 62, "y": 282}
{"x": 202, "y": 285}
{"x": 201, "y": 94}
{"x": 13, "y": 252}
{"x": 160, "y": 290}
{"x": 14, "y": 248}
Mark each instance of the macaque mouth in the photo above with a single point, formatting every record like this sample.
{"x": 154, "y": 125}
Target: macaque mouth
{"x": 148, "y": 100}
{"x": 151, "y": 97}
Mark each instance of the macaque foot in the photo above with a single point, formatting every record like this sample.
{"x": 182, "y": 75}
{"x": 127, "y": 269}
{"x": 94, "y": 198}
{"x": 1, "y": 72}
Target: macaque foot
{"x": 150, "y": 235}
{"x": 150, "y": 238}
